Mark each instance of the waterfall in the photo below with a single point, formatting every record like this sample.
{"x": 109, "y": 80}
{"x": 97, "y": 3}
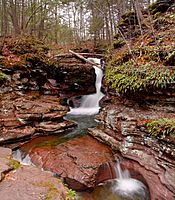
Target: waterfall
{"x": 90, "y": 103}
{"x": 21, "y": 157}
{"x": 127, "y": 187}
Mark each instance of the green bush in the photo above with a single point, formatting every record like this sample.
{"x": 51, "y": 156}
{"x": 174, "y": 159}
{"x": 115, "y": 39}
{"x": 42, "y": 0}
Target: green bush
{"x": 161, "y": 127}
{"x": 71, "y": 194}
{"x": 2, "y": 76}
{"x": 148, "y": 77}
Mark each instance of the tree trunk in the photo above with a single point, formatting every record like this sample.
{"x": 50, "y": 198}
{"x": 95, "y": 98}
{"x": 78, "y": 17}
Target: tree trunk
{"x": 14, "y": 17}
{"x": 4, "y": 19}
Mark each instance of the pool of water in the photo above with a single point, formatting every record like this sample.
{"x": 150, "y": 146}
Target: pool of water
{"x": 83, "y": 123}
{"x": 109, "y": 191}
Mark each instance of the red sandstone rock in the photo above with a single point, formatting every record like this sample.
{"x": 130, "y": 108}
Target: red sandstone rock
{"x": 77, "y": 161}
{"x": 27, "y": 182}
{"x": 148, "y": 159}
{"x": 24, "y": 115}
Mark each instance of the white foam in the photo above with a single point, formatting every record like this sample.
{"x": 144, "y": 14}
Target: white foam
{"x": 125, "y": 186}
{"x": 84, "y": 111}
{"x": 23, "y": 159}
{"x": 129, "y": 186}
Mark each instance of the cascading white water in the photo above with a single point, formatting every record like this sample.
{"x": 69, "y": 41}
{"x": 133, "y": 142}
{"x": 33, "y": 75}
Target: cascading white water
{"x": 127, "y": 187}
{"x": 90, "y": 103}
{"x": 21, "y": 157}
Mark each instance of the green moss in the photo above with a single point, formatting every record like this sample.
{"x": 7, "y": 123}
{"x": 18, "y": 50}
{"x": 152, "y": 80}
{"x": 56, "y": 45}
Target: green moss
{"x": 71, "y": 194}
{"x": 52, "y": 190}
{"x": 25, "y": 52}
{"x": 161, "y": 127}
{"x": 150, "y": 74}
{"x": 14, "y": 164}
{"x": 25, "y": 45}
{"x": 2, "y": 76}
{"x": 118, "y": 43}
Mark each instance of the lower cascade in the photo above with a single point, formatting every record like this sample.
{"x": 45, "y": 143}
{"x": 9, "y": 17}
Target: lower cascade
{"x": 121, "y": 188}
{"x": 23, "y": 158}
{"x": 90, "y": 103}
{"x": 128, "y": 188}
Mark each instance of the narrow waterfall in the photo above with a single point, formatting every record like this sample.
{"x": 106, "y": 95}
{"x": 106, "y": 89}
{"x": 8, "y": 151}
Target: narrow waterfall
{"x": 90, "y": 103}
{"x": 23, "y": 158}
{"x": 127, "y": 187}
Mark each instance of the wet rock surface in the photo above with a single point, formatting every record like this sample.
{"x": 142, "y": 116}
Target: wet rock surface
{"x": 76, "y": 161}
{"x": 20, "y": 182}
{"x": 32, "y": 88}
{"x": 121, "y": 128}
{"x": 23, "y": 116}
{"x": 74, "y": 76}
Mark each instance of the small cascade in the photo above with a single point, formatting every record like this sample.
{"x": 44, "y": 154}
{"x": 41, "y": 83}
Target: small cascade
{"x": 90, "y": 103}
{"x": 21, "y": 157}
{"x": 128, "y": 188}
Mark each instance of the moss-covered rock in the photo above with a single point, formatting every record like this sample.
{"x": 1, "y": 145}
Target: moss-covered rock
{"x": 20, "y": 53}
{"x": 147, "y": 78}
{"x": 14, "y": 164}
{"x": 24, "y": 45}
{"x": 3, "y": 76}
{"x": 118, "y": 43}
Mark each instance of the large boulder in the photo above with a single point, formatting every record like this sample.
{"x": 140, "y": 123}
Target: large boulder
{"x": 75, "y": 161}
{"x": 20, "y": 182}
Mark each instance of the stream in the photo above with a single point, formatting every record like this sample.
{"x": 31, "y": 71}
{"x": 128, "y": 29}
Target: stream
{"x": 122, "y": 188}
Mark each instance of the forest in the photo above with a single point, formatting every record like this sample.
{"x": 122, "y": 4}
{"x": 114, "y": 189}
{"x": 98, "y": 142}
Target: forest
{"x": 66, "y": 21}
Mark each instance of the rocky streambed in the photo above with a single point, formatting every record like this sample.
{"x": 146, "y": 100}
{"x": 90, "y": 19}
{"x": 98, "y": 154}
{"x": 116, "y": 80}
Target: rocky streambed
{"x": 84, "y": 162}
{"x": 27, "y": 182}
{"x": 40, "y": 119}
{"x": 148, "y": 159}
{"x": 31, "y": 108}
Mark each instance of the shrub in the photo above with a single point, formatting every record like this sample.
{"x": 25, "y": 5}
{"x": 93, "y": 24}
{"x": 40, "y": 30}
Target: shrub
{"x": 161, "y": 127}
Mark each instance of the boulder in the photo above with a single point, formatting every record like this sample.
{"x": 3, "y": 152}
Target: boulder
{"x": 20, "y": 182}
{"x": 76, "y": 161}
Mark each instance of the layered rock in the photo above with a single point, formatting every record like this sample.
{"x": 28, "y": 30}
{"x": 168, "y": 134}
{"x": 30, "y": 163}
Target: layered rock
{"x": 24, "y": 116}
{"x": 26, "y": 65}
{"x": 27, "y": 182}
{"x": 153, "y": 159}
{"x": 74, "y": 76}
